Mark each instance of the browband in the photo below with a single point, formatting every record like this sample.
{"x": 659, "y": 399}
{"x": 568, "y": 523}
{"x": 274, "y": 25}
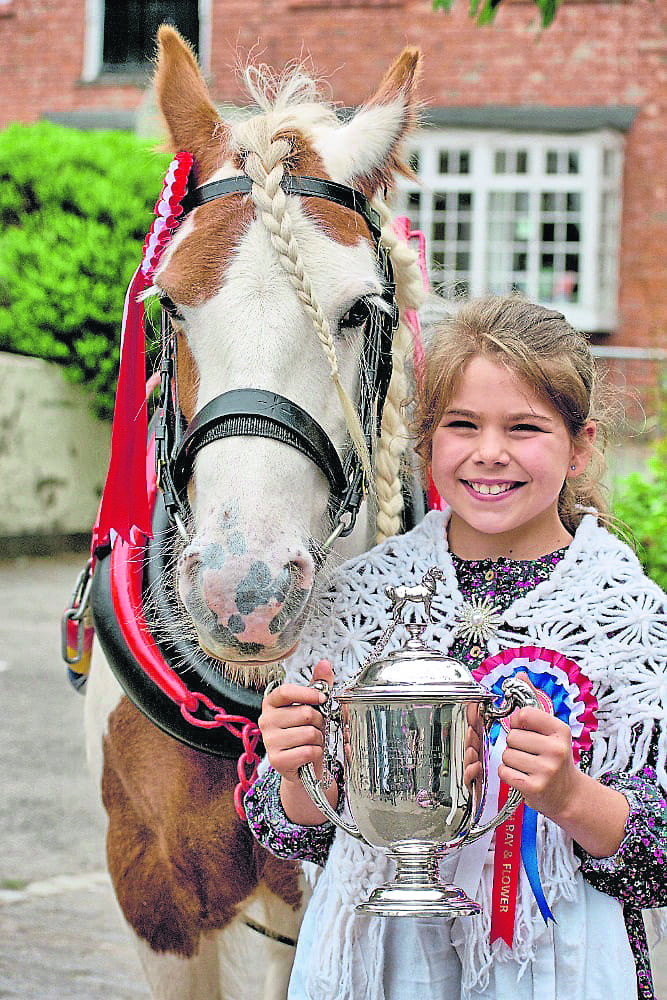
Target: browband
{"x": 313, "y": 187}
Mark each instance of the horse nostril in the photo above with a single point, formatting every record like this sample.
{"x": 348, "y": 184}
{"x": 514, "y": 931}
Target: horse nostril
{"x": 293, "y": 597}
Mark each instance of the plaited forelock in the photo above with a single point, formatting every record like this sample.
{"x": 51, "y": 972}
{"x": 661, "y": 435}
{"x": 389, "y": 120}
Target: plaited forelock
{"x": 264, "y": 164}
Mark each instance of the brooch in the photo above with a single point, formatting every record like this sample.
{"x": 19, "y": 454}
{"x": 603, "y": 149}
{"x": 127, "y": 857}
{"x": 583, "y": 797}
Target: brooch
{"x": 477, "y": 620}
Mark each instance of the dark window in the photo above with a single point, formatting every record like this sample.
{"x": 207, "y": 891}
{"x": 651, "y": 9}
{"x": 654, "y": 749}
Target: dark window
{"x": 130, "y": 29}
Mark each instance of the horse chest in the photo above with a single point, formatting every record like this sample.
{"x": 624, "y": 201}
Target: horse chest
{"x": 180, "y": 859}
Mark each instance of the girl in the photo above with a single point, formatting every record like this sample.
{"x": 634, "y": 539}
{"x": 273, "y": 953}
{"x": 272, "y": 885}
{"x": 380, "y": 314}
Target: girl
{"x": 533, "y": 583}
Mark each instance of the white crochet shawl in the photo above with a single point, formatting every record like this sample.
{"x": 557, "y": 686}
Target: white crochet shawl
{"x": 597, "y": 608}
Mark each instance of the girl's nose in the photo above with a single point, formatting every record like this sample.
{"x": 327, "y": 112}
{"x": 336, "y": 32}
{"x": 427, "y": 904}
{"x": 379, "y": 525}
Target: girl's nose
{"x": 491, "y": 448}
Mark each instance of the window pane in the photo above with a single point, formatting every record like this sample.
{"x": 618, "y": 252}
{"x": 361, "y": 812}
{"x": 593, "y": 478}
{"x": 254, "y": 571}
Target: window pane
{"x": 454, "y": 161}
{"x": 548, "y": 232}
{"x": 508, "y": 234}
{"x": 130, "y": 28}
{"x": 451, "y": 232}
{"x": 522, "y": 162}
{"x": 500, "y": 161}
{"x": 560, "y": 238}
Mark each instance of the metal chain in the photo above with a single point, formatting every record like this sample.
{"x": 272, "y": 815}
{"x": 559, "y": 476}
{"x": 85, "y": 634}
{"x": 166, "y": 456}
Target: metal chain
{"x": 330, "y": 709}
{"x": 379, "y": 646}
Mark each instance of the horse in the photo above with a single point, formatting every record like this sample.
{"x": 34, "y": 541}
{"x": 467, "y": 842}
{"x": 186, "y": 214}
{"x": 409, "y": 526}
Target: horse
{"x": 270, "y": 287}
{"x": 423, "y": 593}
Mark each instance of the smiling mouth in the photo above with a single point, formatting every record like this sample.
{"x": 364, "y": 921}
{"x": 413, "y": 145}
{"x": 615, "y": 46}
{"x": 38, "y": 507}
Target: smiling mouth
{"x": 491, "y": 489}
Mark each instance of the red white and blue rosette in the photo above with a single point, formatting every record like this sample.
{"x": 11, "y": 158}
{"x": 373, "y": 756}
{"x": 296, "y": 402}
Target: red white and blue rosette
{"x": 563, "y": 691}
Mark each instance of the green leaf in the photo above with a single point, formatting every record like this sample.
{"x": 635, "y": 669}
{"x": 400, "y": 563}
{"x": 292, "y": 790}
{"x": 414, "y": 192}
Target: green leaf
{"x": 484, "y": 11}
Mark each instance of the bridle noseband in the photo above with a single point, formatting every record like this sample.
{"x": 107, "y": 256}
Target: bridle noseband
{"x": 258, "y": 412}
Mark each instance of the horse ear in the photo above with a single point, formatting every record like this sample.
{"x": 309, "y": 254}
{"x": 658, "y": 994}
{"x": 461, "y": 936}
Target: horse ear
{"x": 372, "y": 141}
{"x": 193, "y": 124}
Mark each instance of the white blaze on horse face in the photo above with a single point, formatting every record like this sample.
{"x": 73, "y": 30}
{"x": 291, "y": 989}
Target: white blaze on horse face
{"x": 247, "y": 574}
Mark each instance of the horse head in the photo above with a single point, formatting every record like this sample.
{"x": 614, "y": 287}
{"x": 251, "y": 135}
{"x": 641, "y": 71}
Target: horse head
{"x": 271, "y": 290}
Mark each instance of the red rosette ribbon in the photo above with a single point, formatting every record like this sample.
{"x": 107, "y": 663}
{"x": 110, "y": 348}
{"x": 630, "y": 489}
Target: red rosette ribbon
{"x": 168, "y": 212}
{"x": 125, "y": 505}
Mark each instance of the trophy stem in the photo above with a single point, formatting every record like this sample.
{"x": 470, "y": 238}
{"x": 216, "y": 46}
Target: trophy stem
{"x": 417, "y": 889}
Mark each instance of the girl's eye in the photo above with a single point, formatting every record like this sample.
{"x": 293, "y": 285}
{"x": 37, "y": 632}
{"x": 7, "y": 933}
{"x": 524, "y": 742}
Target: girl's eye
{"x": 171, "y": 308}
{"x": 460, "y": 423}
{"x": 355, "y": 316}
{"x": 527, "y": 427}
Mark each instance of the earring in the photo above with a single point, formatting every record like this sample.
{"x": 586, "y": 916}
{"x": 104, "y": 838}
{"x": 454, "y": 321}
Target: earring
{"x": 573, "y": 467}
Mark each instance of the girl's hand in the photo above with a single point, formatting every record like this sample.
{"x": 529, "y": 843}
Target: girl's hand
{"x": 538, "y": 761}
{"x": 291, "y": 726}
{"x": 474, "y": 749}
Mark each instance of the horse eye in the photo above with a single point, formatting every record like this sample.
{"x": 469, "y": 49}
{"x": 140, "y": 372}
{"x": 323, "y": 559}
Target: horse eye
{"x": 355, "y": 316}
{"x": 171, "y": 308}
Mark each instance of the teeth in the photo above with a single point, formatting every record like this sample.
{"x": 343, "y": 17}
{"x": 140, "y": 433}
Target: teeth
{"x": 493, "y": 490}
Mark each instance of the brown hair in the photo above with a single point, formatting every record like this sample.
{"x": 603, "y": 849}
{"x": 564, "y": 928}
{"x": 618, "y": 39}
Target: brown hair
{"x": 541, "y": 348}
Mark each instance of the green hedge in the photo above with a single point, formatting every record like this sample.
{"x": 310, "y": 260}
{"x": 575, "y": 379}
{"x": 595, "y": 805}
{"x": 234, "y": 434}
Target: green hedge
{"x": 641, "y": 503}
{"x": 75, "y": 208}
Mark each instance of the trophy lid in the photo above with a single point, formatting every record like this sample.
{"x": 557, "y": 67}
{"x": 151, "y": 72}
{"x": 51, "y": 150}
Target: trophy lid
{"x": 414, "y": 673}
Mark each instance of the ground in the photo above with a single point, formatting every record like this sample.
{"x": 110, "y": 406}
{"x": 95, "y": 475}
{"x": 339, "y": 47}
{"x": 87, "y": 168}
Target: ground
{"x": 61, "y": 937}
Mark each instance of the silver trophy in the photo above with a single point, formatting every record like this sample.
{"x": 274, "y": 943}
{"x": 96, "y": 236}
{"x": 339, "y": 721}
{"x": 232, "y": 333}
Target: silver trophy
{"x": 407, "y": 721}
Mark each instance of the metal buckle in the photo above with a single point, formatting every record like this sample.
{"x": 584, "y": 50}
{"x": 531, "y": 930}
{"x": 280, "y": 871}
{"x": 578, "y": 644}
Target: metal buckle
{"x": 75, "y": 612}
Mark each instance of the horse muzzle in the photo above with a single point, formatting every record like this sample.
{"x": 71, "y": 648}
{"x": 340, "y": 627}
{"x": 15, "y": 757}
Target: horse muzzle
{"x": 244, "y": 607}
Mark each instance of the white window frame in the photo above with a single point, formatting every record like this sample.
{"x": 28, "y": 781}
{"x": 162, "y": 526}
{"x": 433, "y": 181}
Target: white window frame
{"x": 598, "y": 180}
{"x": 93, "y": 49}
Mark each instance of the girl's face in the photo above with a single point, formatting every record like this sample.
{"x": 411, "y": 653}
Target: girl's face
{"x": 500, "y": 456}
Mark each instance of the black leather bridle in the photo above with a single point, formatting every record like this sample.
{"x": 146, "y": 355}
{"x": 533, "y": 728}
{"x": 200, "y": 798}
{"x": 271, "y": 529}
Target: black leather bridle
{"x": 258, "y": 412}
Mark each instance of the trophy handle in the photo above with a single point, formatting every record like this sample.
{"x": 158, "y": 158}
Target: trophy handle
{"x": 330, "y": 710}
{"x": 517, "y": 693}
{"x": 314, "y": 789}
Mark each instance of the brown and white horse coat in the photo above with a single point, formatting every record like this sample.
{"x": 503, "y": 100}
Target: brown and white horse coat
{"x": 265, "y": 287}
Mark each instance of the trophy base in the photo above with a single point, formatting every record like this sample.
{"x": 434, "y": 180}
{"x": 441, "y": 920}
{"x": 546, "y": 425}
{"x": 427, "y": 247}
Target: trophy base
{"x": 419, "y": 900}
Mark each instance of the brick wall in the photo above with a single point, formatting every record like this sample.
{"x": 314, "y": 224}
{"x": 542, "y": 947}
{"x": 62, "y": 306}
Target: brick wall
{"x": 594, "y": 54}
